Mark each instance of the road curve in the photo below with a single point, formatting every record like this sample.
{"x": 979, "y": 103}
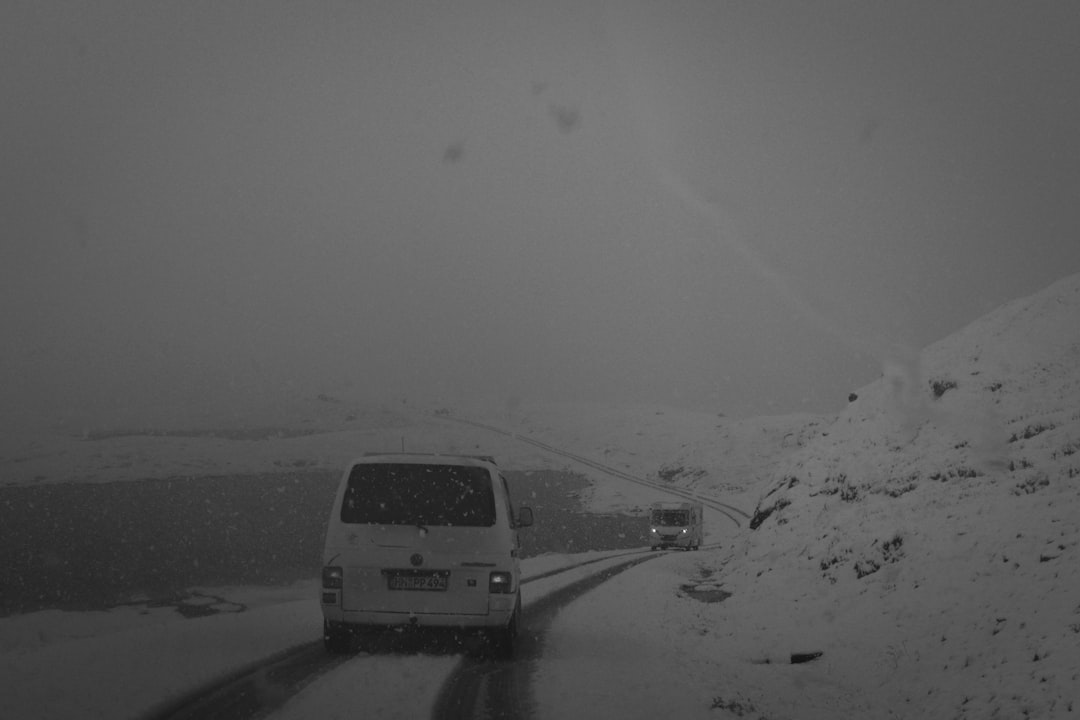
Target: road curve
{"x": 723, "y": 508}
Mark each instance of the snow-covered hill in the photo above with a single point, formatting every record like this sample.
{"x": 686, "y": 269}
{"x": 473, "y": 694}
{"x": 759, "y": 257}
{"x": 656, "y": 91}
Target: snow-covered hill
{"x": 927, "y": 540}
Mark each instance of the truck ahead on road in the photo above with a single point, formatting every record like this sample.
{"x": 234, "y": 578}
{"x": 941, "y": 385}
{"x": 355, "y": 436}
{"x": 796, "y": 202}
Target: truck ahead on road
{"x": 676, "y": 524}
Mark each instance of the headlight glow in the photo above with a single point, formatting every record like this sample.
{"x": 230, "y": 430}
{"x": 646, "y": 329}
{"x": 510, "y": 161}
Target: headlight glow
{"x": 332, "y": 577}
{"x": 500, "y": 582}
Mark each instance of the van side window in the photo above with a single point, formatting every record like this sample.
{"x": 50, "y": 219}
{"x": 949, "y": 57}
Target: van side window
{"x": 419, "y": 494}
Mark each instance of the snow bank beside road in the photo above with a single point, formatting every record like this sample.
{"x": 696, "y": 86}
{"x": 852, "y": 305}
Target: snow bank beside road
{"x": 130, "y": 669}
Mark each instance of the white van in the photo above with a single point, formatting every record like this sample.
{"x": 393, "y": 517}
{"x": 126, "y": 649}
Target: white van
{"x": 424, "y": 541}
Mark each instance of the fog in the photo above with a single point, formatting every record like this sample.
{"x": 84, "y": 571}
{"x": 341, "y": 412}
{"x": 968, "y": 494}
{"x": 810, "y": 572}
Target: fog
{"x": 743, "y": 207}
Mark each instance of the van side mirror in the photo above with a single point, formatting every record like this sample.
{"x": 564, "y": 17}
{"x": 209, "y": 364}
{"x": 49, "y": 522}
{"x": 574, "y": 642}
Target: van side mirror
{"x": 525, "y": 517}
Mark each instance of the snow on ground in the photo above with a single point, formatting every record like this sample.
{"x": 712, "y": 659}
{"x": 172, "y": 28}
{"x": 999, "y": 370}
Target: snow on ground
{"x": 924, "y": 542}
{"x": 125, "y": 662}
{"x": 667, "y": 651}
{"x": 128, "y": 661}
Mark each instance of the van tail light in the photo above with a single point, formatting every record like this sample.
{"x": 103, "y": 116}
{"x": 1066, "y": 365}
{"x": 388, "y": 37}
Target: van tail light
{"x": 500, "y": 582}
{"x": 332, "y": 577}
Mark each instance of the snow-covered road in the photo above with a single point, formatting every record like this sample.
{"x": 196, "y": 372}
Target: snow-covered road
{"x": 407, "y": 685}
{"x": 128, "y": 663}
{"x": 133, "y": 661}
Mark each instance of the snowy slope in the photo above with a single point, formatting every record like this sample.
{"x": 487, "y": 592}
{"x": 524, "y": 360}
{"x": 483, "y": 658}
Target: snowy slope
{"x": 927, "y": 540}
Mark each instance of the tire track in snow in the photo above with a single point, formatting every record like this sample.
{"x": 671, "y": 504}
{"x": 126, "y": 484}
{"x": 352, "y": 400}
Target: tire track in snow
{"x": 482, "y": 688}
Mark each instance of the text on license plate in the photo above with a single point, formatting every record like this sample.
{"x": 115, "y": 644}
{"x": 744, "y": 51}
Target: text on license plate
{"x": 418, "y": 581}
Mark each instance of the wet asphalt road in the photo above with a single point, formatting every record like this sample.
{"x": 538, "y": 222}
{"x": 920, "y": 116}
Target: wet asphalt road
{"x": 94, "y": 546}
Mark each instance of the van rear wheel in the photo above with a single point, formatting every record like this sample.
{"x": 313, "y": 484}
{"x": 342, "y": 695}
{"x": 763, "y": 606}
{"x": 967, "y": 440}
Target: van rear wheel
{"x": 503, "y": 642}
{"x": 336, "y": 638}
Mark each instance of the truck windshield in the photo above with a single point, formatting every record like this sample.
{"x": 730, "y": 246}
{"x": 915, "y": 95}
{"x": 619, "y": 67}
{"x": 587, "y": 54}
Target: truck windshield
{"x": 418, "y": 494}
{"x": 670, "y": 517}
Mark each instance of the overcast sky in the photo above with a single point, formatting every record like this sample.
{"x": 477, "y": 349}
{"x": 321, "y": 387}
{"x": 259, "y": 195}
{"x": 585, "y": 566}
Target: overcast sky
{"x": 741, "y": 207}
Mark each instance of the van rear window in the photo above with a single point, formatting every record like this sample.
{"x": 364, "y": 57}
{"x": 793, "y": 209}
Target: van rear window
{"x": 418, "y": 494}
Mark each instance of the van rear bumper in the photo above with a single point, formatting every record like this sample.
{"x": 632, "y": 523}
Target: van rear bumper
{"x": 494, "y": 618}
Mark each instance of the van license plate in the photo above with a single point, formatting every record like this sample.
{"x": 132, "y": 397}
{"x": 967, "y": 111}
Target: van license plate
{"x": 418, "y": 581}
